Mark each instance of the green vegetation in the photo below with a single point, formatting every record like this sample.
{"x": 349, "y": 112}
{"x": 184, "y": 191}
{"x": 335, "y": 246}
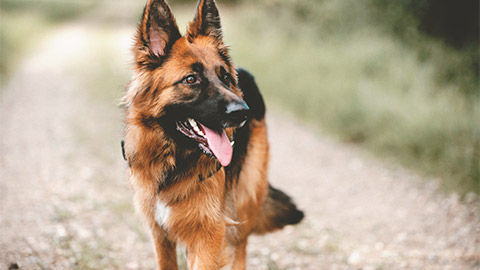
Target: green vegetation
{"x": 340, "y": 65}
{"x": 23, "y": 22}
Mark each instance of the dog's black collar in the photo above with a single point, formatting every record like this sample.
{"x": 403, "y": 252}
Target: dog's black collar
{"x": 169, "y": 177}
{"x": 123, "y": 150}
{"x": 201, "y": 178}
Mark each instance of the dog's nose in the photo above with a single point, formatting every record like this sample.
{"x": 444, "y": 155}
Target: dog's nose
{"x": 236, "y": 112}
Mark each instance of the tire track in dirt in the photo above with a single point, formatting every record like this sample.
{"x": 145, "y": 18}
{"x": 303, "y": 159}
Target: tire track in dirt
{"x": 65, "y": 202}
{"x": 34, "y": 142}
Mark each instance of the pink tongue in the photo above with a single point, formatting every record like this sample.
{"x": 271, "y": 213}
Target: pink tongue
{"x": 220, "y": 145}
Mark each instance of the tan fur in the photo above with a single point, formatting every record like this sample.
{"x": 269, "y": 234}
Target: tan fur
{"x": 211, "y": 218}
{"x": 197, "y": 220}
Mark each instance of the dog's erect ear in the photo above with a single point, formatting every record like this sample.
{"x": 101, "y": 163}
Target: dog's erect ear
{"x": 157, "y": 31}
{"x": 206, "y": 21}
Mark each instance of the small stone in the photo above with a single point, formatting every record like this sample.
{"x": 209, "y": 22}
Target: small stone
{"x": 13, "y": 266}
{"x": 433, "y": 257}
{"x": 61, "y": 232}
{"x": 355, "y": 258}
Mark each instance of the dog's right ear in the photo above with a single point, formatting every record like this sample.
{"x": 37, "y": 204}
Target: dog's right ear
{"x": 156, "y": 34}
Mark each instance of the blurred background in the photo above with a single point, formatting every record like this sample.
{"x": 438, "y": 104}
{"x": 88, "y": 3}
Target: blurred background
{"x": 398, "y": 77}
{"x": 397, "y": 80}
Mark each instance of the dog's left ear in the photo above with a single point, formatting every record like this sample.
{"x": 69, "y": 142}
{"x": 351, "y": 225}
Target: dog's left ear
{"x": 206, "y": 21}
{"x": 157, "y": 33}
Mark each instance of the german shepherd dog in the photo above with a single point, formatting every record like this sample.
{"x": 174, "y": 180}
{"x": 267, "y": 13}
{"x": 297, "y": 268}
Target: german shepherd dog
{"x": 196, "y": 144}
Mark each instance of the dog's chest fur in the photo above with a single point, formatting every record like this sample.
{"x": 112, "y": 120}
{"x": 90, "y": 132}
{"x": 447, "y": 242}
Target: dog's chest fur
{"x": 162, "y": 212}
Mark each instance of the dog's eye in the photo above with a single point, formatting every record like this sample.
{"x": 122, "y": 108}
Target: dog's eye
{"x": 226, "y": 78}
{"x": 190, "y": 79}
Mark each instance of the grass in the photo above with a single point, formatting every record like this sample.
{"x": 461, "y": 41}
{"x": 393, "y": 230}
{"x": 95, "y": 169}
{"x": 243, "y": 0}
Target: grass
{"x": 24, "y": 22}
{"x": 332, "y": 65}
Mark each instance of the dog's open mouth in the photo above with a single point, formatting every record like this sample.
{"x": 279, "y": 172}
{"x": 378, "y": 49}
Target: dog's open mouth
{"x": 212, "y": 143}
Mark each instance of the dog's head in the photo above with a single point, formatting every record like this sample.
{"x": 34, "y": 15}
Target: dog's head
{"x": 186, "y": 85}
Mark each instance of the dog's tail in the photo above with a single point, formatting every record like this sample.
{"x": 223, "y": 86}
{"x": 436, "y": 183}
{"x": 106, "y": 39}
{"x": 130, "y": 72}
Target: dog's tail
{"x": 277, "y": 212}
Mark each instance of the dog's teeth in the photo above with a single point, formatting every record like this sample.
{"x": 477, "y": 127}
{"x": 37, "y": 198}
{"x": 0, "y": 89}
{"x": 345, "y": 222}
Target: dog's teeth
{"x": 197, "y": 130}
{"x": 232, "y": 143}
{"x": 192, "y": 122}
{"x": 243, "y": 123}
{"x": 195, "y": 127}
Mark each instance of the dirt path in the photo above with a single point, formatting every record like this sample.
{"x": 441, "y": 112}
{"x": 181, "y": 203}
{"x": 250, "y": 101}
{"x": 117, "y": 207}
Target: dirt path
{"x": 65, "y": 202}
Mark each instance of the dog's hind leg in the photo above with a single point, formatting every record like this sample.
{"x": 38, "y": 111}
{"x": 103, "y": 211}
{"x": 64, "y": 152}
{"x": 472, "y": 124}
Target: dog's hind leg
{"x": 165, "y": 249}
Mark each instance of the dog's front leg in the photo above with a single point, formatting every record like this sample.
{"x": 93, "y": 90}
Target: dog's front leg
{"x": 240, "y": 256}
{"x": 205, "y": 250}
{"x": 165, "y": 249}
